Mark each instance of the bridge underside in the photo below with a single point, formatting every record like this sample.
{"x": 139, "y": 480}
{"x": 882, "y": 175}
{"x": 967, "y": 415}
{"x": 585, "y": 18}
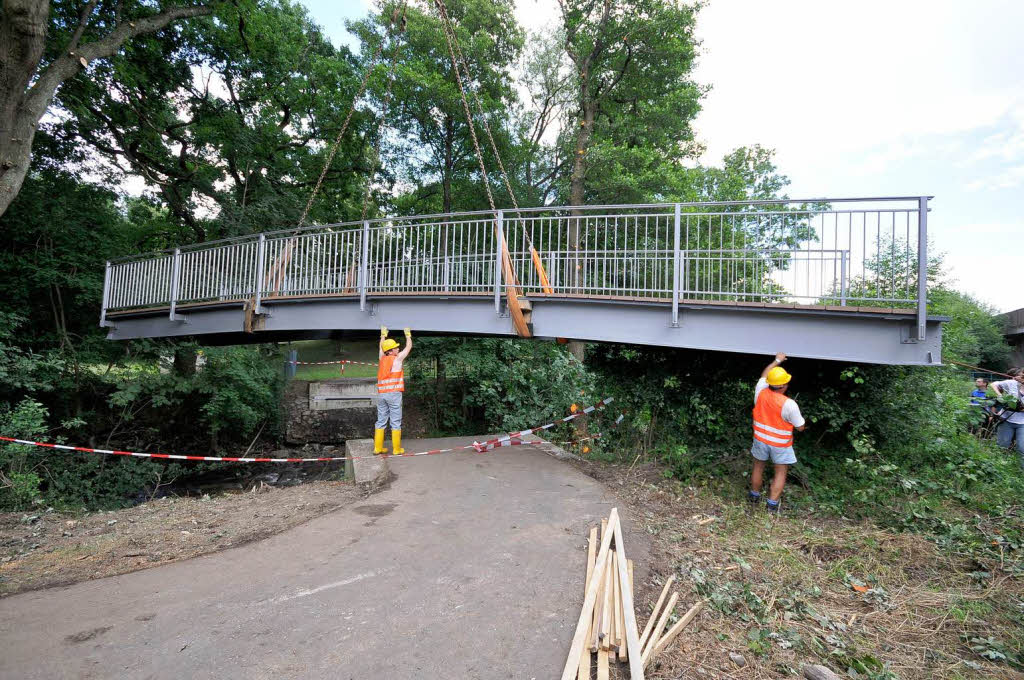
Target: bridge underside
{"x": 870, "y": 335}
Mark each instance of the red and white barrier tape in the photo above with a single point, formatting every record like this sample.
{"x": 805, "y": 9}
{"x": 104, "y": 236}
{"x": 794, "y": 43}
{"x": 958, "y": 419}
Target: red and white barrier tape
{"x": 326, "y": 363}
{"x": 511, "y": 439}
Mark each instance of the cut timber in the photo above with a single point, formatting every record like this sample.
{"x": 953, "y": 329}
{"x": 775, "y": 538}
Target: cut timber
{"x": 602, "y": 664}
{"x": 657, "y": 608}
{"x": 619, "y": 634}
{"x": 584, "y": 672}
{"x": 660, "y": 626}
{"x": 612, "y": 640}
{"x": 572, "y": 663}
{"x": 624, "y": 648}
{"x": 606, "y": 611}
{"x": 636, "y": 668}
{"x": 675, "y": 630}
{"x": 599, "y": 608}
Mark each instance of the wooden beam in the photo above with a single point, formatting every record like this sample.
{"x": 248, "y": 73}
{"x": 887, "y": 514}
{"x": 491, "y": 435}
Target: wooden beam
{"x": 675, "y": 630}
{"x": 619, "y": 635}
{"x": 636, "y": 668}
{"x": 599, "y": 606}
{"x": 602, "y": 664}
{"x": 660, "y": 626}
{"x": 584, "y": 672}
{"x": 606, "y": 611}
{"x": 572, "y": 662}
{"x": 624, "y": 648}
{"x": 657, "y": 608}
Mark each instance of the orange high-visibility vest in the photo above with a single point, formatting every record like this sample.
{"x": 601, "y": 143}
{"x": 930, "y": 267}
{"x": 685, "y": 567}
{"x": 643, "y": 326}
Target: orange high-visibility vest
{"x": 769, "y": 427}
{"x": 388, "y": 380}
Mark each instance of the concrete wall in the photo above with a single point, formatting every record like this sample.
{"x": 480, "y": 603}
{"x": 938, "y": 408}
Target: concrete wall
{"x": 329, "y": 411}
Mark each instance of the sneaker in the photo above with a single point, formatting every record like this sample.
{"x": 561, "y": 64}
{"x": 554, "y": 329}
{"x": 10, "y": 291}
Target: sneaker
{"x": 771, "y": 506}
{"x": 753, "y": 497}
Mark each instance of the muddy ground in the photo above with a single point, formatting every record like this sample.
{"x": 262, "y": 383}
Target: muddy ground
{"x": 46, "y": 548}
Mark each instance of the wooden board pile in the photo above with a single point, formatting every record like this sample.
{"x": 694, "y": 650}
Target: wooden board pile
{"x": 607, "y": 625}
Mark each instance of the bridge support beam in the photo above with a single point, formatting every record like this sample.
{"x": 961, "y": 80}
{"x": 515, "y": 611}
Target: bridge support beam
{"x": 840, "y": 334}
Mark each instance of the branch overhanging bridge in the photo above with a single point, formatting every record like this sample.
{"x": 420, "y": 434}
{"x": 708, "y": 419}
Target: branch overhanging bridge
{"x": 839, "y": 279}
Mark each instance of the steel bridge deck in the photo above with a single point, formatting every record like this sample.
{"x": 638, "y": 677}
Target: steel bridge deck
{"x": 860, "y": 334}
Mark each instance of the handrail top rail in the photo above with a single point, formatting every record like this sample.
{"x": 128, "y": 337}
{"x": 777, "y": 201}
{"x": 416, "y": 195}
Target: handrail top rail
{"x": 384, "y": 221}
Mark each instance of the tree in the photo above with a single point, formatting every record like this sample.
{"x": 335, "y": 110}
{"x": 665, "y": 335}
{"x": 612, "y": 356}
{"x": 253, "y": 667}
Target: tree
{"x": 634, "y": 98}
{"x": 229, "y": 120}
{"x": 548, "y": 84}
{"x": 40, "y": 52}
{"x": 433, "y": 147}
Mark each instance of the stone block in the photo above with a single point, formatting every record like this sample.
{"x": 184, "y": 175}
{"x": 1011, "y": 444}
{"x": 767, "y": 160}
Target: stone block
{"x": 366, "y": 468}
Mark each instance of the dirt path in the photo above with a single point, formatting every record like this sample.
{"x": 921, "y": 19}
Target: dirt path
{"x": 467, "y": 566}
{"x": 41, "y": 549}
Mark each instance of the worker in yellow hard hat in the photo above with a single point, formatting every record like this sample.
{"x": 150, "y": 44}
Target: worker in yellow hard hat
{"x": 390, "y": 385}
{"x": 775, "y": 418}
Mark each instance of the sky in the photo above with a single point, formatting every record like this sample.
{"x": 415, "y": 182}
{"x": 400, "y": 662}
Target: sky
{"x": 865, "y": 99}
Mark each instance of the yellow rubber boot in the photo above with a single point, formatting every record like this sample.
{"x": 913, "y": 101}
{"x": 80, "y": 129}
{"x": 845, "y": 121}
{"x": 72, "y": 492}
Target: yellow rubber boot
{"x": 378, "y": 442}
{"x": 396, "y": 442}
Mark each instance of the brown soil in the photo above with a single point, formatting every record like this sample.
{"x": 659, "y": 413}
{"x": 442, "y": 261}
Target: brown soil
{"x": 43, "y": 549}
{"x": 778, "y": 591}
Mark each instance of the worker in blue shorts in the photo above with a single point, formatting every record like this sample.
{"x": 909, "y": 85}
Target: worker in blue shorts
{"x": 775, "y": 418}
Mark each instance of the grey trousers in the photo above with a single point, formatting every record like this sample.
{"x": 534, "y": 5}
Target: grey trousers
{"x": 389, "y": 406}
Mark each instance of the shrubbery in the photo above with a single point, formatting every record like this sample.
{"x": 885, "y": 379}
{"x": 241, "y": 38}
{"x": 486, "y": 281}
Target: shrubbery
{"x": 131, "y": 405}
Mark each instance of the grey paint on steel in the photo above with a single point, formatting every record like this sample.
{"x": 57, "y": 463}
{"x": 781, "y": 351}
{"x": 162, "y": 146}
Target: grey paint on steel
{"x": 842, "y": 335}
{"x": 430, "y": 578}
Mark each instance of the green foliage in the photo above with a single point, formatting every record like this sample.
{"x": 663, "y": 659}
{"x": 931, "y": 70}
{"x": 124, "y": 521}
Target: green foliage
{"x": 433, "y": 150}
{"x": 19, "y": 473}
{"x": 229, "y": 112}
{"x": 973, "y": 333}
{"x": 242, "y": 387}
{"x": 503, "y": 384}
{"x": 635, "y": 97}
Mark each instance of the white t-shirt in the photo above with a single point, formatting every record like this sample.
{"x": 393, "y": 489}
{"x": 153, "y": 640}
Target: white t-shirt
{"x": 790, "y": 411}
{"x": 1013, "y": 388}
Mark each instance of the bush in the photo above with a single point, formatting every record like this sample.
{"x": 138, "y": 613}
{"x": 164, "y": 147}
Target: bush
{"x": 499, "y": 384}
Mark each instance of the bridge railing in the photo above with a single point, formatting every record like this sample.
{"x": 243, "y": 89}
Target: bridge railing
{"x": 844, "y": 252}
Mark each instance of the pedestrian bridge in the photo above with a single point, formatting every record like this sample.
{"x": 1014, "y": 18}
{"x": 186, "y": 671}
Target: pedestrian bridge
{"x": 835, "y": 279}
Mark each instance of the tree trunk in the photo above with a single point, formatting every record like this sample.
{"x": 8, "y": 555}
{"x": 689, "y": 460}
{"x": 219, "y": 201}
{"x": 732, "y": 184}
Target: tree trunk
{"x": 185, "y": 362}
{"x": 23, "y": 27}
{"x": 577, "y": 196}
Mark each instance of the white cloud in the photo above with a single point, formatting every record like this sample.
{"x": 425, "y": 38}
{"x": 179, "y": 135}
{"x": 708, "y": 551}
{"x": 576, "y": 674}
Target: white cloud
{"x": 807, "y": 76}
{"x": 1005, "y": 179}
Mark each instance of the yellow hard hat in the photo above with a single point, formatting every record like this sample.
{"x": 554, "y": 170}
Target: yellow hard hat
{"x": 389, "y": 345}
{"x": 778, "y": 376}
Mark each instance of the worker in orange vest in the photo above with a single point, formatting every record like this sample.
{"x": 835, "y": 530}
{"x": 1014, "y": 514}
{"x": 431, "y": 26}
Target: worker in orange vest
{"x": 390, "y": 385}
{"x": 775, "y": 418}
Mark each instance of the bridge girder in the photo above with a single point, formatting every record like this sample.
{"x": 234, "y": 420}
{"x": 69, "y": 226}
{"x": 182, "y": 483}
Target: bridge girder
{"x": 822, "y": 333}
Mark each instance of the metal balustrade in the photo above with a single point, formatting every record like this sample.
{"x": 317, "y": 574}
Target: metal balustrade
{"x": 842, "y": 252}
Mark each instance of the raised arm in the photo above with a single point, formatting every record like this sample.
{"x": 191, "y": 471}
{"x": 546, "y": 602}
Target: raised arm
{"x": 380, "y": 345}
{"x": 779, "y": 358}
{"x": 408, "y": 345}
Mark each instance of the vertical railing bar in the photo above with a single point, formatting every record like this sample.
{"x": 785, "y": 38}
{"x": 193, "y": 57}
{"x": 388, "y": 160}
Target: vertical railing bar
{"x": 261, "y": 250}
{"x": 498, "y": 238}
{"x": 675, "y": 265}
{"x": 922, "y": 267}
{"x": 364, "y": 265}
{"x": 175, "y": 272}
{"x": 105, "y": 301}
